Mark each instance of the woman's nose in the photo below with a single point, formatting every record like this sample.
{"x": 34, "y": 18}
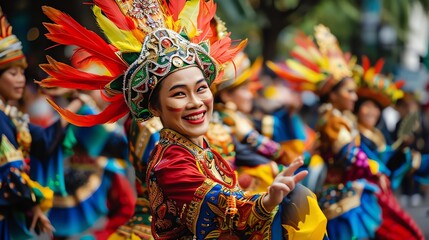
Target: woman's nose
{"x": 195, "y": 101}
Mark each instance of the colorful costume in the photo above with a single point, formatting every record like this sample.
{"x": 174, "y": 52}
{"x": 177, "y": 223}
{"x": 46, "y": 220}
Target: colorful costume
{"x": 20, "y": 193}
{"x": 18, "y": 140}
{"x": 253, "y": 155}
{"x": 142, "y": 136}
{"x": 347, "y": 198}
{"x": 146, "y": 48}
{"x": 393, "y": 161}
{"x": 209, "y": 207}
{"x": 92, "y": 185}
{"x": 296, "y": 138}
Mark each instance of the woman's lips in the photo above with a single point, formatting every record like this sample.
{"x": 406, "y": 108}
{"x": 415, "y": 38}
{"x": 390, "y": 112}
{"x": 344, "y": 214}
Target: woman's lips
{"x": 196, "y": 118}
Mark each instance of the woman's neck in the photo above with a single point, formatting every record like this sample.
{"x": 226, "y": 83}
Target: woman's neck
{"x": 198, "y": 141}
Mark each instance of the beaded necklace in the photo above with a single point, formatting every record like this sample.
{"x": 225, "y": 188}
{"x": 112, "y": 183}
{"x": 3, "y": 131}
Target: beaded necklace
{"x": 20, "y": 120}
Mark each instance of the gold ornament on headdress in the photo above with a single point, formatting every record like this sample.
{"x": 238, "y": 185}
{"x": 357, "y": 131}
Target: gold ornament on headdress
{"x": 314, "y": 67}
{"x": 148, "y": 39}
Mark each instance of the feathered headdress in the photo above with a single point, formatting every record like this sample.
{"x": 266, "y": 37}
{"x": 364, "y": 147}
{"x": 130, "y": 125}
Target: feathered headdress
{"x": 238, "y": 72}
{"x": 148, "y": 40}
{"x": 314, "y": 67}
{"x": 10, "y": 47}
{"x": 376, "y": 86}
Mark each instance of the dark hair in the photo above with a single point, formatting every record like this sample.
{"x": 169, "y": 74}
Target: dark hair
{"x": 325, "y": 97}
{"x": 154, "y": 100}
{"x": 361, "y": 101}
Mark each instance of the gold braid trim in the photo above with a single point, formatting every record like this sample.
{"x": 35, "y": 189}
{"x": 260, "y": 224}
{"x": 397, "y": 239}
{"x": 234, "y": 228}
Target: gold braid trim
{"x": 195, "y": 205}
{"x": 345, "y": 204}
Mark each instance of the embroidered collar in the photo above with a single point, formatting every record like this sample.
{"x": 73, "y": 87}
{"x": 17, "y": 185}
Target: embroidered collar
{"x": 20, "y": 120}
{"x": 211, "y": 164}
{"x": 375, "y": 135}
{"x": 169, "y": 136}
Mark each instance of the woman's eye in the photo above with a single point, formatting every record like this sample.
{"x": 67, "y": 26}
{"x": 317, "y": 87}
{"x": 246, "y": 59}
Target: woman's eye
{"x": 178, "y": 94}
{"x": 202, "y": 88}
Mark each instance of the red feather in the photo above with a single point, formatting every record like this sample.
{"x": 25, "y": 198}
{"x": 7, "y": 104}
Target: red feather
{"x": 67, "y": 31}
{"x": 290, "y": 77}
{"x": 63, "y": 75}
{"x": 365, "y": 63}
{"x": 117, "y": 109}
{"x": 206, "y": 14}
{"x": 222, "y": 51}
{"x": 304, "y": 41}
{"x": 114, "y": 14}
{"x": 174, "y": 7}
{"x": 379, "y": 65}
{"x": 81, "y": 57}
{"x": 399, "y": 83}
{"x": 286, "y": 74}
{"x": 305, "y": 61}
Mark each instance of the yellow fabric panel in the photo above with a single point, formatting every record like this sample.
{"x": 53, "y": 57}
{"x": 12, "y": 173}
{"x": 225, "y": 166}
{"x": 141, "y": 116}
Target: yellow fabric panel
{"x": 46, "y": 202}
{"x": 373, "y": 166}
{"x": 292, "y": 149}
{"x": 260, "y": 177}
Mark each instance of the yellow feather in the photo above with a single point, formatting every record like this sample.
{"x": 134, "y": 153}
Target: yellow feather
{"x": 305, "y": 72}
{"x": 188, "y": 16}
{"x": 123, "y": 40}
{"x": 171, "y": 24}
{"x": 325, "y": 63}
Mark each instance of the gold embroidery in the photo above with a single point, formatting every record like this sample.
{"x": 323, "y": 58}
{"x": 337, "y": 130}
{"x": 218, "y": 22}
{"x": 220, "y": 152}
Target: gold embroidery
{"x": 8, "y": 153}
{"x": 209, "y": 163}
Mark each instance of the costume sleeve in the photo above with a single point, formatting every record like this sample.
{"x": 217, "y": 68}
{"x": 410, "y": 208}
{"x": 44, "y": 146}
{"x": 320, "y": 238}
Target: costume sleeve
{"x": 340, "y": 145}
{"x": 17, "y": 191}
{"x": 121, "y": 202}
{"x": 203, "y": 201}
{"x": 263, "y": 145}
{"x": 288, "y": 130}
{"x": 45, "y": 140}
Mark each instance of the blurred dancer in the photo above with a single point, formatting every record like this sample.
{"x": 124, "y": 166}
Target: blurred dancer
{"x": 24, "y": 201}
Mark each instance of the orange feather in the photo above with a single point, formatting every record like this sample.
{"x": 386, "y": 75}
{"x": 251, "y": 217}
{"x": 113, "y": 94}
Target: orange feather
{"x": 222, "y": 51}
{"x": 174, "y": 7}
{"x": 206, "y": 14}
{"x": 116, "y": 110}
{"x": 63, "y": 75}
{"x": 67, "y": 31}
{"x": 114, "y": 14}
{"x": 305, "y": 61}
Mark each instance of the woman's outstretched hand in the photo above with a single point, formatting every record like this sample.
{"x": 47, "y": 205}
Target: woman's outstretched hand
{"x": 41, "y": 221}
{"x": 283, "y": 184}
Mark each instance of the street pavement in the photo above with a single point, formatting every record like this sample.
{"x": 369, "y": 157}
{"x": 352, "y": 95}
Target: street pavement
{"x": 421, "y": 215}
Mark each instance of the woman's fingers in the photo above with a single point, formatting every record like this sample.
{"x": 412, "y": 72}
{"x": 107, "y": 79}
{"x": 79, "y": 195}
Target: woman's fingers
{"x": 290, "y": 170}
{"x": 300, "y": 176}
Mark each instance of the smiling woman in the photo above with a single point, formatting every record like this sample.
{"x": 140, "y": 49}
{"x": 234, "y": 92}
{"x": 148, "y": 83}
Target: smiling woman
{"x": 12, "y": 83}
{"x": 162, "y": 59}
{"x": 187, "y": 103}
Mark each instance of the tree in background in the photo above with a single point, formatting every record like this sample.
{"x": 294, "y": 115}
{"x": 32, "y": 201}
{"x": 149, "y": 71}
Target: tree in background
{"x": 271, "y": 24}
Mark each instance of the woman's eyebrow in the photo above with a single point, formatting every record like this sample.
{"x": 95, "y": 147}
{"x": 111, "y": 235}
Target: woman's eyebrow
{"x": 183, "y": 85}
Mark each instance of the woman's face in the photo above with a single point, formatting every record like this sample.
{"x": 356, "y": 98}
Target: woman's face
{"x": 368, "y": 114}
{"x": 241, "y": 96}
{"x": 345, "y": 96}
{"x": 186, "y": 103}
{"x": 12, "y": 84}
